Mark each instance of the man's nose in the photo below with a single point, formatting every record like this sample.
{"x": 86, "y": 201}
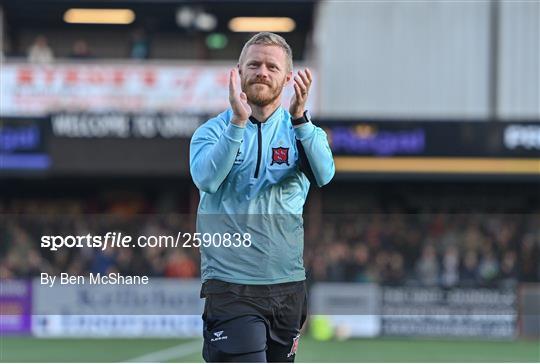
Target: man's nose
{"x": 262, "y": 72}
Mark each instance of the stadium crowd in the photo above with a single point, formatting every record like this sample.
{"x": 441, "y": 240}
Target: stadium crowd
{"x": 40, "y": 52}
{"x": 427, "y": 249}
{"x": 388, "y": 248}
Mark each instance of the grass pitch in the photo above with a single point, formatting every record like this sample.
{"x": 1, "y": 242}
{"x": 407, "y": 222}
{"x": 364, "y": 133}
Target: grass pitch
{"x": 26, "y": 349}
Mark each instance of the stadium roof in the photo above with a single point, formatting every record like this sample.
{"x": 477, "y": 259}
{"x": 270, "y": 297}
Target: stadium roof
{"x": 159, "y": 15}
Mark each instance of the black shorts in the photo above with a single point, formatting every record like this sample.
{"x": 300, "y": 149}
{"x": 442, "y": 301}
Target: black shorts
{"x": 256, "y": 323}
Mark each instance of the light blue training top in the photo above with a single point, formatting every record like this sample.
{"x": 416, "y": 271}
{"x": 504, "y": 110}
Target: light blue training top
{"x": 255, "y": 179}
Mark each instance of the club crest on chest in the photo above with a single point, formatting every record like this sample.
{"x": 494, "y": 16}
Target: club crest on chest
{"x": 280, "y": 155}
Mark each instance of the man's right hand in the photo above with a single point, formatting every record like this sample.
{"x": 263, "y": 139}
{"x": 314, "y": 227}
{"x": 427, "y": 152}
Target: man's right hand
{"x": 240, "y": 107}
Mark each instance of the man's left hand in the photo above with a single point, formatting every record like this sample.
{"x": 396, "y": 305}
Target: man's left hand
{"x": 302, "y": 83}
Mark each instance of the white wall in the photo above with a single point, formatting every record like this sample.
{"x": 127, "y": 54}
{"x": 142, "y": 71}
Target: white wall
{"x": 519, "y": 60}
{"x": 403, "y": 59}
{"x": 428, "y": 59}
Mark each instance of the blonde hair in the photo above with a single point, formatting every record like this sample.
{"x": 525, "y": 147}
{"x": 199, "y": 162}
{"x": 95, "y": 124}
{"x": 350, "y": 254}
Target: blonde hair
{"x": 269, "y": 39}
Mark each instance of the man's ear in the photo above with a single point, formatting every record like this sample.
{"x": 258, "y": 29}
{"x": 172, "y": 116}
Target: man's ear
{"x": 239, "y": 69}
{"x": 289, "y": 76}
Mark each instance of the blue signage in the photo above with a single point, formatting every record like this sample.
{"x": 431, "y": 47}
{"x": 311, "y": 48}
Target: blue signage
{"x": 367, "y": 140}
{"x": 22, "y": 146}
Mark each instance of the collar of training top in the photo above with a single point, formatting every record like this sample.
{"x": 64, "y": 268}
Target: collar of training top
{"x": 276, "y": 115}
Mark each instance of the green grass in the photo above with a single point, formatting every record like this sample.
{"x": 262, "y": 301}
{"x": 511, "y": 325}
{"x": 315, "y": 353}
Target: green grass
{"x": 417, "y": 350}
{"x": 21, "y": 349}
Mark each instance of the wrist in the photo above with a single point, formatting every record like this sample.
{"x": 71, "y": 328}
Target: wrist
{"x": 298, "y": 120}
{"x": 238, "y": 121}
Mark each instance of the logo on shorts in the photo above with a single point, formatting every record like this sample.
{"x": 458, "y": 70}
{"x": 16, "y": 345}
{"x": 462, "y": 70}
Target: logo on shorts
{"x": 280, "y": 155}
{"x": 294, "y": 346}
{"x": 218, "y": 336}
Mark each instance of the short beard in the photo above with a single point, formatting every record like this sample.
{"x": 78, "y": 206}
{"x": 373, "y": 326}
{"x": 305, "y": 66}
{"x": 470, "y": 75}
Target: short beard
{"x": 262, "y": 99}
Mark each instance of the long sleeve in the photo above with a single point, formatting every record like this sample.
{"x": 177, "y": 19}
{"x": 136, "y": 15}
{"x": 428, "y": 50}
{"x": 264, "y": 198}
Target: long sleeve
{"x": 313, "y": 146}
{"x": 212, "y": 153}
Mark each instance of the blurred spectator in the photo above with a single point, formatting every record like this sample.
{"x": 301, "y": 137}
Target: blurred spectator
{"x": 126, "y": 262}
{"x": 104, "y": 261}
{"x": 473, "y": 238}
{"x": 509, "y": 268}
{"x": 76, "y": 268}
{"x": 35, "y": 264}
{"x": 180, "y": 266}
{"x": 381, "y": 265}
{"x": 529, "y": 254}
{"x": 336, "y": 267}
{"x": 450, "y": 267}
{"x": 140, "y": 45}
{"x": 317, "y": 268}
{"x": 489, "y": 266}
{"x": 80, "y": 50}
{"x": 427, "y": 267}
{"x": 358, "y": 265}
{"x": 395, "y": 274}
{"x": 469, "y": 271}
{"x": 40, "y": 52}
